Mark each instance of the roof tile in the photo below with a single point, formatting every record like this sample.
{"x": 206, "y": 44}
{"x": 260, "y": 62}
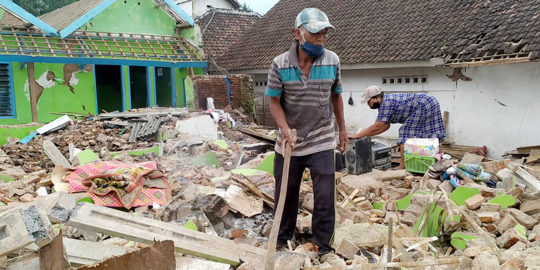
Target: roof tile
{"x": 391, "y": 30}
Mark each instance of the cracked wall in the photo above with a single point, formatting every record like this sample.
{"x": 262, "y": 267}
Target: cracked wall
{"x": 495, "y": 107}
{"x": 64, "y": 88}
{"x": 61, "y": 88}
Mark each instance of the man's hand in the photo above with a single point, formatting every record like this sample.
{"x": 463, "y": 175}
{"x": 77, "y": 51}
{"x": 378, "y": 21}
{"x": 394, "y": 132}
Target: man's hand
{"x": 354, "y": 136}
{"x": 286, "y": 137}
{"x": 343, "y": 141}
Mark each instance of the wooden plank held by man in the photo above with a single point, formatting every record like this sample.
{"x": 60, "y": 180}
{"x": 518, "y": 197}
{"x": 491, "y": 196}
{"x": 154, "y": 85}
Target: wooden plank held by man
{"x": 272, "y": 242}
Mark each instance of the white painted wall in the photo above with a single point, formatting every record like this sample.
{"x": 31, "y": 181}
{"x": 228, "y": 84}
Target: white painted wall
{"x": 198, "y": 7}
{"x": 476, "y": 116}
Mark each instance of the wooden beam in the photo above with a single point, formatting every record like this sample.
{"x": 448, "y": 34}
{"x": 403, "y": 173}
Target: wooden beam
{"x": 33, "y": 92}
{"x": 445, "y": 120}
{"x": 51, "y": 256}
{"x": 55, "y": 155}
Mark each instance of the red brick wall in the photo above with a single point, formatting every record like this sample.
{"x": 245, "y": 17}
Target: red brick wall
{"x": 215, "y": 86}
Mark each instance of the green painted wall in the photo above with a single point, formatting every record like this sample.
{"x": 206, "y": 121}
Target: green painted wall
{"x": 179, "y": 76}
{"x": 21, "y": 90}
{"x": 134, "y": 17}
{"x": 190, "y": 94}
{"x": 152, "y": 85}
{"x": 57, "y": 97}
{"x": 15, "y": 132}
{"x": 127, "y": 87}
{"x": 2, "y": 12}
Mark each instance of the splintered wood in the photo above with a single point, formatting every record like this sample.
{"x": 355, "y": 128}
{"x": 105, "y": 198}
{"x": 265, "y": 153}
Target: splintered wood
{"x": 405, "y": 256}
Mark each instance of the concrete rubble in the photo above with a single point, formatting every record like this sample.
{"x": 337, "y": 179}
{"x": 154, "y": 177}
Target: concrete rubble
{"x": 218, "y": 211}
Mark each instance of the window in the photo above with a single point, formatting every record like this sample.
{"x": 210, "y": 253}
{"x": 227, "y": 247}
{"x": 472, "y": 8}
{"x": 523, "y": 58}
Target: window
{"x": 407, "y": 80}
{"x": 6, "y": 94}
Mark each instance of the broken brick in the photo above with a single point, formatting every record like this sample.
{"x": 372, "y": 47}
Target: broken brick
{"x": 509, "y": 238}
{"x": 530, "y": 207}
{"x": 507, "y": 223}
{"x": 523, "y": 219}
{"x": 475, "y": 201}
{"x": 238, "y": 233}
{"x": 347, "y": 249}
{"x": 490, "y": 207}
{"x": 488, "y": 217}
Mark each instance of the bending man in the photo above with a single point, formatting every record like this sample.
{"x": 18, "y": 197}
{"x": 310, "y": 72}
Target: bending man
{"x": 419, "y": 113}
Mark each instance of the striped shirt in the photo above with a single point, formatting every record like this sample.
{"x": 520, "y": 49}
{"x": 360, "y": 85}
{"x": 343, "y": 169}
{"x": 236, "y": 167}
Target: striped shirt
{"x": 306, "y": 103}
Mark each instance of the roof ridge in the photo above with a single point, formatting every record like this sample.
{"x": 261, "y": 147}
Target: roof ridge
{"x": 228, "y": 11}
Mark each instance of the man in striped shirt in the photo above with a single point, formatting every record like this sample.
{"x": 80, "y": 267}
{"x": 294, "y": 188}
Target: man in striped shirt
{"x": 304, "y": 86}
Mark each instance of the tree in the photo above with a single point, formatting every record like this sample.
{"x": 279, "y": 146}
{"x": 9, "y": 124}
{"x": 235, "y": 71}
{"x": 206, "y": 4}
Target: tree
{"x": 40, "y": 7}
{"x": 245, "y": 7}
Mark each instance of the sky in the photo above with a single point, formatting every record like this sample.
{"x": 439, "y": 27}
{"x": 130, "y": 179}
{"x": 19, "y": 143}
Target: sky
{"x": 260, "y": 6}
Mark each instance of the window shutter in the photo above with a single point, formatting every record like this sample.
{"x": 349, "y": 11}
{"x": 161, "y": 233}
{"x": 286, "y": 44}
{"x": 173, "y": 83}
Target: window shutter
{"x": 6, "y": 106}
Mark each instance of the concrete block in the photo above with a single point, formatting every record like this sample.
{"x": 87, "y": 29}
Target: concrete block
{"x": 13, "y": 234}
{"x": 347, "y": 249}
{"x": 37, "y": 225}
{"x": 509, "y": 238}
{"x": 83, "y": 252}
{"x": 523, "y": 219}
{"x": 144, "y": 230}
{"x": 490, "y": 207}
{"x": 58, "y": 206}
{"x": 530, "y": 207}
{"x": 507, "y": 223}
{"x": 475, "y": 201}
{"x": 25, "y": 262}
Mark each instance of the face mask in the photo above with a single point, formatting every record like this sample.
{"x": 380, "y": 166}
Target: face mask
{"x": 311, "y": 49}
{"x": 376, "y": 105}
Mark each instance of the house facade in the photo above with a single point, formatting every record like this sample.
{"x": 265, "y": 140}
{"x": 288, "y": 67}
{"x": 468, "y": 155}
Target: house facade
{"x": 94, "y": 56}
{"x": 196, "y": 8}
{"x": 479, "y": 59}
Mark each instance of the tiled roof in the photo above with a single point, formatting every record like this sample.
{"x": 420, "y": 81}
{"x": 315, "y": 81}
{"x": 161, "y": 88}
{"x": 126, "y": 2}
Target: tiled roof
{"x": 9, "y": 19}
{"x": 63, "y": 17}
{"x": 371, "y": 31}
{"x": 221, "y": 28}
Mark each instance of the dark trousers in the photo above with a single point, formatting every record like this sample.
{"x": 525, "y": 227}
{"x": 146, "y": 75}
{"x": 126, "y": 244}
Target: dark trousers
{"x": 321, "y": 166}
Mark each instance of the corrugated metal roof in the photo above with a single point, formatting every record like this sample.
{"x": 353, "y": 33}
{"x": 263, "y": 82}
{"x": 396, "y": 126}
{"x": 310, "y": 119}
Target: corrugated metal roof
{"x": 63, "y": 17}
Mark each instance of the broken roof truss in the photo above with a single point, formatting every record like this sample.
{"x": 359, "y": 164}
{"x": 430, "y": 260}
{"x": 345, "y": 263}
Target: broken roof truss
{"x": 100, "y": 48}
{"x": 512, "y": 53}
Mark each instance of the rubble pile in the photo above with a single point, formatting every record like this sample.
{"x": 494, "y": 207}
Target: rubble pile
{"x": 465, "y": 212}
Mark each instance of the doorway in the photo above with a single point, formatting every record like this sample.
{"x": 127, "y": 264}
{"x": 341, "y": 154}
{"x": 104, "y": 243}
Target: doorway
{"x": 108, "y": 88}
{"x": 139, "y": 87}
{"x": 164, "y": 90}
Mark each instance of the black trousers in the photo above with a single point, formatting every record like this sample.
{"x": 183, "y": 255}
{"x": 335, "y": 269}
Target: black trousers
{"x": 322, "y": 170}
